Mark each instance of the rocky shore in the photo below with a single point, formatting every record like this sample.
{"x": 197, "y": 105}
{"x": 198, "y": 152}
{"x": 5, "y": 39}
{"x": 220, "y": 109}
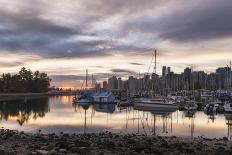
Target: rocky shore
{"x": 14, "y": 142}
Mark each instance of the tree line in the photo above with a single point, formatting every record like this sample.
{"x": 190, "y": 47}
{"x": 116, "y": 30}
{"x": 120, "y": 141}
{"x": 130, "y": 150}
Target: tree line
{"x": 25, "y": 81}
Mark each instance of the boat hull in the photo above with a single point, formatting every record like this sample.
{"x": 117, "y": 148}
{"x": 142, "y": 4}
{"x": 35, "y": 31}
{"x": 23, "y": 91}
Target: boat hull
{"x": 154, "y": 106}
{"x": 83, "y": 101}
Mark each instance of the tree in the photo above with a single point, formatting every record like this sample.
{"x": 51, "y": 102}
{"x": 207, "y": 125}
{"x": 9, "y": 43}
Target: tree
{"x": 25, "y": 81}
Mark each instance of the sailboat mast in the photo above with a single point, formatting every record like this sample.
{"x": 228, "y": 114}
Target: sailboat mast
{"x": 230, "y": 76}
{"x": 86, "y": 79}
{"x": 155, "y": 61}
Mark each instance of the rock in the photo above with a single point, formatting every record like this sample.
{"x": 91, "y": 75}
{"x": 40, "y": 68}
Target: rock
{"x": 2, "y": 151}
{"x": 164, "y": 143}
{"x": 52, "y": 152}
{"x": 110, "y": 144}
{"x": 82, "y": 150}
{"x": 225, "y": 138}
{"x": 140, "y": 146}
{"x": 207, "y": 139}
{"x": 81, "y": 143}
{"x": 42, "y": 152}
{"x": 62, "y": 144}
{"x": 62, "y": 150}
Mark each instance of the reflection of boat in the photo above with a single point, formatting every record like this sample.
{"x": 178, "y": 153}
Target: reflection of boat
{"x": 104, "y": 108}
{"x": 126, "y": 103}
{"x": 154, "y": 104}
{"x": 211, "y": 108}
{"x": 191, "y": 106}
{"x": 189, "y": 113}
{"x": 228, "y": 117}
{"x": 165, "y": 115}
{"x": 228, "y": 107}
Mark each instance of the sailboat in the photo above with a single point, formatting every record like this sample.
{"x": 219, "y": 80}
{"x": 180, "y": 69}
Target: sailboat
{"x": 159, "y": 104}
{"x": 86, "y": 97}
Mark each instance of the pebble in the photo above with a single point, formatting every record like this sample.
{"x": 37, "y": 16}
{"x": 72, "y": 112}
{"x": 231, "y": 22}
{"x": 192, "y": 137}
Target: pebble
{"x": 107, "y": 143}
{"x": 42, "y": 152}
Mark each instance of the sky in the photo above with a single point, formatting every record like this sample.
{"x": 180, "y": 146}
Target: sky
{"x": 113, "y": 37}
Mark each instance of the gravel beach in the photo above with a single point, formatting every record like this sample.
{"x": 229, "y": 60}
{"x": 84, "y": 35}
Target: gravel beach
{"x": 14, "y": 142}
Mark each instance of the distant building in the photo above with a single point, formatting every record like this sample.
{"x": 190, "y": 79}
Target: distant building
{"x": 97, "y": 86}
{"x": 120, "y": 83}
{"x": 163, "y": 71}
{"x": 132, "y": 82}
{"x": 168, "y": 70}
{"x": 104, "y": 86}
{"x": 169, "y": 81}
{"x": 113, "y": 83}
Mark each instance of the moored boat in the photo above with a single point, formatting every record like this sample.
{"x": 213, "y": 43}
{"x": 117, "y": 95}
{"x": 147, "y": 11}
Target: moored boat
{"x": 154, "y": 104}
{"x": 228, "y": 107}
{"x": 191, "y": 106}
{"x": 211, "y": 108}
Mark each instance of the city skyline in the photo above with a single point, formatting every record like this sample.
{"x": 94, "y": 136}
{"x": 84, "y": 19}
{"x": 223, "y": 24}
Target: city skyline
{"x": 113, "y": 37}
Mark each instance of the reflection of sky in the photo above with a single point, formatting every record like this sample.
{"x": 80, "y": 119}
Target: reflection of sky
{"x": 63, "y": 117}
{"x": 68, "y": 37}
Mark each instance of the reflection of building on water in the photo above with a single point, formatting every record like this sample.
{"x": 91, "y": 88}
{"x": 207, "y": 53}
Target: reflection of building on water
{"x": 229, "y": 124}
{"x": 24, "y": 110}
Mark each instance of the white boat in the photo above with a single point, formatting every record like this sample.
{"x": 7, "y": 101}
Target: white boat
{"x": 191, "y": 106}
{"x": 154, "y": 104}
{"x": 228, "y": 107}
{"x": 206, "y": 94}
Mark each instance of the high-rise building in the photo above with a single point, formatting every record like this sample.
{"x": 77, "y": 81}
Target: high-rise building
{"x": 113, "y": 83}
{"x": 104, "y": 86}
{"x": 120, "y": 83}
{"x": 163, "y": 71}
{"x": 168, "y": 70}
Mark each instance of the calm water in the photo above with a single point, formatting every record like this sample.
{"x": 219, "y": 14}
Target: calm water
{"x": 56, "y": 114}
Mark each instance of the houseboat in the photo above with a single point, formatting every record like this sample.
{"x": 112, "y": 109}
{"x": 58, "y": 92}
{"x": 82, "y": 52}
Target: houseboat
{"x": 103, "y": 97}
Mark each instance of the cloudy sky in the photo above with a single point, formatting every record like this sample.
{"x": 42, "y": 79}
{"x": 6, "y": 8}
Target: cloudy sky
{"x": 65, "y": 37}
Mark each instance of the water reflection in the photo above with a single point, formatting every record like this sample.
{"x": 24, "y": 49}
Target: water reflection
{"x": 229, "y": 125}
{"x": 56, "y": 114}
{"x": 23, "y": 110}
{"x": 104, "y": 108}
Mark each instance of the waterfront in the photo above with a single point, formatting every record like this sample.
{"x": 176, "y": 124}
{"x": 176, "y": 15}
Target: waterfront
{"x": 58, "y": 114}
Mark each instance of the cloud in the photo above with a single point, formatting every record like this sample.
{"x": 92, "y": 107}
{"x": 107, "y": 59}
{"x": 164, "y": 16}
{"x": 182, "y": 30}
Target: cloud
{"x": 28, "y": 32}
{"x": 123, "y": 71}
{"x": 113, "y": 30}
{"x": 10, "y": 64}
{"x": 188, "y": 21}
{"x": 137, "y": 64}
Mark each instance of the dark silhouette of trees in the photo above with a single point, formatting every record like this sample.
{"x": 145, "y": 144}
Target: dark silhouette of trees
{"x": 24, "y": 82}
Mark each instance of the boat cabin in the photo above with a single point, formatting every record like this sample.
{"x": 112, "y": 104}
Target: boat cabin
{"x": 103, "y": 97}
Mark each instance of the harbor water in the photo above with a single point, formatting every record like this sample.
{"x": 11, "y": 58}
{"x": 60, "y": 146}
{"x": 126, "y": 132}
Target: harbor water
{"x": 58, "y": 114}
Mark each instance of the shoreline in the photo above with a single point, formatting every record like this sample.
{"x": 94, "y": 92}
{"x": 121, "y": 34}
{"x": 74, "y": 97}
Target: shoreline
{"x": 15, "y": 96}
{"x": 14, "y": 142}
